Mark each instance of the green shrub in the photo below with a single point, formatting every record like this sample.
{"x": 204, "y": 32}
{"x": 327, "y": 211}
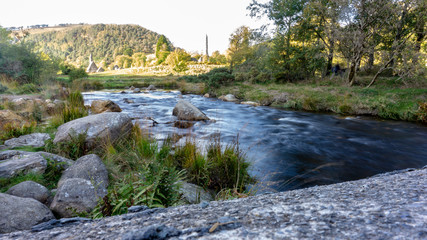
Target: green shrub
{"x": 214, "y": 79}
{"x": 49, "y": 178}
{"x": 3, "y": 88}
{"x": 77, "y": 73}
{"x": 228, "y": 168}
{"x": 73, "y": 109}
{"x": 28, "y": 89}
{"x": 11, "y": 130}
{"x": 72, "y": 149}
{"x": 222, "y": 168}
{"x": 422, "y": 112}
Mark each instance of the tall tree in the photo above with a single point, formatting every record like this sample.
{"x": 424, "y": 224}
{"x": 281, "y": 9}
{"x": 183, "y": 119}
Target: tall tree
{"x": 239, "y": 46}
{"x": 163, "y": 49}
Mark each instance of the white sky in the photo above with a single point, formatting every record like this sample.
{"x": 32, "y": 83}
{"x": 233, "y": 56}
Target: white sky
{"x": 184, "y": 22}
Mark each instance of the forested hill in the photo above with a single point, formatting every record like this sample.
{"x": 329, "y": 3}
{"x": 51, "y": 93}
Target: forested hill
{"x": 104, "y": 41}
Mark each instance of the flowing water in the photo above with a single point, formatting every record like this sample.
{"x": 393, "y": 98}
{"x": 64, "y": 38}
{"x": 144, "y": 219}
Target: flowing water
{"x": 288, "y": 149}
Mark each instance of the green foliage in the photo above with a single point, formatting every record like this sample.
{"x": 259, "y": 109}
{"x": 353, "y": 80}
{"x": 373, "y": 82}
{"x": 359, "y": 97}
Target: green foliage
{"x": 73, "y": 109}
{"x": 139, "y": 59}
{"x": 49, "y": 178}
{"x": 215, "y": 78}
{"x": 222, "y": 167}
{"x": 163, "y": 49}
{"x": 239, "y": 48}
{"x": 66, "y": 68}
{"x": 77, "y": 73}
{"x": 3, "y": 88}
{"x": 422, "y": 112}
{"x": 229, "y": 167}
{"x": 218, "y": 58}
{"x": 11, "y": 130}
{"x": 20, "y": 62}
{"x": 178, "y": 60}
{"x": 124, "y": 61}
{"x": 28, "y": 88}
{"x": 6, "y": 183}
{"x": 104, "y": 41}
{"x": 142, "y": 174}
{"x": 72, "y": 149}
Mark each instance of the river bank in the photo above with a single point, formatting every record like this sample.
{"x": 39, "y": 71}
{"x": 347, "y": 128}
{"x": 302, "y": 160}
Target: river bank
{"x": 386, "y": 100}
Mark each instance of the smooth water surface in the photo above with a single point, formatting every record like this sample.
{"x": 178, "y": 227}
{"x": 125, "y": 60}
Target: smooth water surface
{"x": 288, "y": 149}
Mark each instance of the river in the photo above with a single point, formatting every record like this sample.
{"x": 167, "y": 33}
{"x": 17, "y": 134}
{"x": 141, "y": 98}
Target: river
{"x": 287, "y": 149}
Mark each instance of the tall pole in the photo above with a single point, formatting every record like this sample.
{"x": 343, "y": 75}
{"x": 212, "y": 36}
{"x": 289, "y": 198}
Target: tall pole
{"x": 207, "y": 50}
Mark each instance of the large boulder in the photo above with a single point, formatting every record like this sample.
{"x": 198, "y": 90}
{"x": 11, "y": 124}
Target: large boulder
{"x": 21, "y": 213}
{"x": 30, "y": 189}
{"x": 187, "y": 111}
{"x": 8, "y": 117}
{"x": 100, "y": 106}
{"x": 74, "y": 196}
{"x": 30, "y": 140}
{"x": 229, "y": 98}
{"x": 89, "y": 167}
{"x": 192, "y": 193}
{"x": 99, "y": 128}
{"x": 13, "y": 163}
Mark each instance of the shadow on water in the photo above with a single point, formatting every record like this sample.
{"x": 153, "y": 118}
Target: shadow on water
{"x": 288, "y": 149}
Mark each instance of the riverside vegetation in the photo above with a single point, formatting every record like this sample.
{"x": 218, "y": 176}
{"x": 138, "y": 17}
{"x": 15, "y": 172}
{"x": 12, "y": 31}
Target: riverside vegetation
{"x": 141, "y": 171}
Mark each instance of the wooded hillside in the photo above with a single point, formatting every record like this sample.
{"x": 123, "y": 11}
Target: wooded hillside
{"x": 105, "y": 41}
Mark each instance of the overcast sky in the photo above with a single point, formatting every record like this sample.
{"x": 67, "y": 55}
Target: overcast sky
{"x": 184, "y": 22}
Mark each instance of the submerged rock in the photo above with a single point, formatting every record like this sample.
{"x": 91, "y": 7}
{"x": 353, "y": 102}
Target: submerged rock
{"x": 183, "y": 124}
{"x": 254, "y": 104}
{"x": 229, "y": 98}
{"x": 100, "y": 106}
{"x": 187, "y": 111}
{"x": 151, "y": 88}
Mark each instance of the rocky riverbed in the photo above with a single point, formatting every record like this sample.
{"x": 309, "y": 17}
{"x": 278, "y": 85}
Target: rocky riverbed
{"x": 387, "y": 206}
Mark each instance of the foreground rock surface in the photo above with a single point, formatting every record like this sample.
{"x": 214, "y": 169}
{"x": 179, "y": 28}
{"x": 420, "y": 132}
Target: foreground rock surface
{"x": 103, "y": 127}
{"x": 21, "y": 213}
{"x": 186, "y": 111}
{"x": 389, "y": 206}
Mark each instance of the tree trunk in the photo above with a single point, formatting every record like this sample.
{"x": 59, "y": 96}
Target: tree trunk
{"x": 371, "y": 58}
{"x": 328, "y": 68}
{"x": 352, "y": 73}
{"x": 380, "y": 71}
